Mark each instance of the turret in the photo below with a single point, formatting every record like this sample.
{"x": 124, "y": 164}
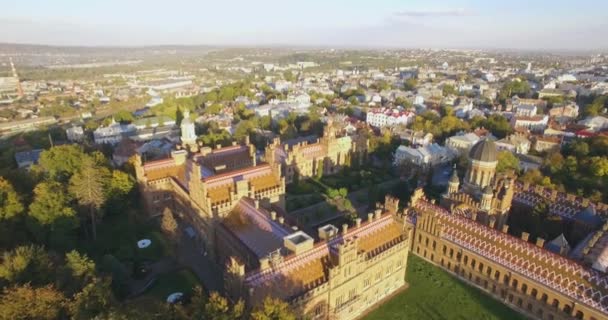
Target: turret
{"x": 486, "y": 198}
{"x": 188, "y": 137}
{"x": 454, "y": 182}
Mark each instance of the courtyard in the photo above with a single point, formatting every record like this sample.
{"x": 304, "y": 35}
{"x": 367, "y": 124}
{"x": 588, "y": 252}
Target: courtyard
{"x": 436, "y": 294}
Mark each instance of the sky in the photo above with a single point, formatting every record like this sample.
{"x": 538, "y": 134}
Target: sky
{"x": 514, "y": 24}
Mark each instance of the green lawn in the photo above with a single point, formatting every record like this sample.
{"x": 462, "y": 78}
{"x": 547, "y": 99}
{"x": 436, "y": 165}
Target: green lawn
{"x": 436, "y": 294}
{"x": 180, "y": 281}
{"x": 118, "y": 235}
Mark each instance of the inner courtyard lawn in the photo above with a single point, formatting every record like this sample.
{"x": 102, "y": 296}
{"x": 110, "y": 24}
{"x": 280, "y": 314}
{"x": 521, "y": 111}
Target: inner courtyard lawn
{"x": 436, "y": 294}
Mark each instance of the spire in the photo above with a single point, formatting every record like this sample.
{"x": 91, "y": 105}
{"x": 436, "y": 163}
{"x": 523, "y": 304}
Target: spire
{"x": 188, "y": 131}
{"x": 454, "y": 178}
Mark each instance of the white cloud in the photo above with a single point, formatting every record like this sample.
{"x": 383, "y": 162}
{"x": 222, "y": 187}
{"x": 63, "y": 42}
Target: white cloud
{"x": 458, "y": 12}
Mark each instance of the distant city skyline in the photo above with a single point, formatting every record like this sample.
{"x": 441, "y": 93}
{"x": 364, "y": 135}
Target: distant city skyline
{"x": 516, "y": 24}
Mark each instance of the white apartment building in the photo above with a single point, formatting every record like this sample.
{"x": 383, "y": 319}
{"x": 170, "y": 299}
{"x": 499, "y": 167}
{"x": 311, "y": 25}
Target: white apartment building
{"x": 534, "y": 123}
{"x": 113, "y": 133}
{"x": 75, "y": 133}
{"x": 385, "y": 117}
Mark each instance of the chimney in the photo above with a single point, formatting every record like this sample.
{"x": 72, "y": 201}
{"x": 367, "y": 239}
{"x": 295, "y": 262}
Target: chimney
{"x": 540, "y": 242}
{"x": 358, "y": 222}
{"x": 505, "y": 228}
{"x": 264, "y": 264}
{"x": 370, "y": 217}
{"x": 281, "y": 220}
{"x": 492, "y": 222}
{"x": 525, "y": 236}
{"x": 474, "y": 216}
{"x": 256, "y": 202}
{"x": 377, "y": 214}
{"x": 273, "y": 215}
{"x": 344, "y": 228}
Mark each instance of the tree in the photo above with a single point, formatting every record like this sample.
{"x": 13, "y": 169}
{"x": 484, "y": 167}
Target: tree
{"x": 10, "y": 202}
{"x": 26, "y": 264}
{"x": 95, "y": 298}
{"x": 62, "y": 162}
{"x": 168, "y": 223}
{"x": 219, "y": 308}
{"x": 25, "y": 302}
{"x": 123, "y": 116}
{"x": 447, "y": 90}
{"x": 273, "y": 309}
{"x": 498, "y": 125}
{"x": 87, "y": 188}
{"x": 599, "y": 166}
{"x": 507, "y": 161}
{"x": 320, "y": 169}
{"x": 50, "y": 204}
{"x": 410, "y": 84}
{"x": 80, "y": 266}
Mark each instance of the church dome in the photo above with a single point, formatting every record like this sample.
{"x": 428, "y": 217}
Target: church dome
{"x": 484, "y": 150}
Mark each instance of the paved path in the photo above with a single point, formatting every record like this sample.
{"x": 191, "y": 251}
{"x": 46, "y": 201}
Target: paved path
{"x": 191, "y": 255}
{"x": 138, "y": 286}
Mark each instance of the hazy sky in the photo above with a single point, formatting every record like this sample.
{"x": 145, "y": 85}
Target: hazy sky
{"x": 530, "y": 24}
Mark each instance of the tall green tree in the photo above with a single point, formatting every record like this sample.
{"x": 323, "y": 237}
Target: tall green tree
{"x": 168, "y": 224}
{"x": 50, "y": 203}
{"x": 26, "y": 264}
{"x": 507, "y": 161}
{"x": 95, "y": 299}
{"x": 10, "y": 202}
{"x": 218, "y": 307}
{"x": 61, "y": 162}
{"x": 87, "y": 188}
{"x": 25, "y": 302}
{"x": 273, "y": 309}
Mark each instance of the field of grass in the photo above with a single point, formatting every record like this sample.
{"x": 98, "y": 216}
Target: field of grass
{"x": 179, "y": 281}
{"x": 435, "y": 294}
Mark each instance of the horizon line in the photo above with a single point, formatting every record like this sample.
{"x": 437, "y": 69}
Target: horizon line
{"x": 308, "y": 46}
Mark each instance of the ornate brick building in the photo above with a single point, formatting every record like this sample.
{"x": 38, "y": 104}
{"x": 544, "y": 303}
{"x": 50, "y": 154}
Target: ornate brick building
{"x": 525, "y": 276}
{"x": 484, "y": 192}
{"x": 204, "y": 185}
{"x": 236, "y": 206}
{"x": 332, "y": 275}
{"x": 330, "y": 153}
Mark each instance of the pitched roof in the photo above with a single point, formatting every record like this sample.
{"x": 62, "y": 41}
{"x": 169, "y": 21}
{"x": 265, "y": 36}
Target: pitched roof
{"x": 554, "y": 271}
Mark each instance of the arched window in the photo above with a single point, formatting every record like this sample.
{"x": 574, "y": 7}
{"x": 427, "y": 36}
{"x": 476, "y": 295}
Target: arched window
{"x": 544, "y": 298}
{"x": 567, "y": 309}
{"x": 524, "y": 288}
{"x": 579, "y": 315}
{"x": 534, "y": 293}
{"x": 555, "y": 303}
{"x": 514, "y": 284}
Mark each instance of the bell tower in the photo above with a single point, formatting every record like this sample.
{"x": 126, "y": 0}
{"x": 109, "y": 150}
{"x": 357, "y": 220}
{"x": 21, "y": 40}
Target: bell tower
{"x": 188, "y": 137}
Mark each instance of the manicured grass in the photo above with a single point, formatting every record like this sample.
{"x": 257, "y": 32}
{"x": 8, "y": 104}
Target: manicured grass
{"x": 179, "y": 281}
{"x": 436, "y": 294}
{"x": 118, "y": 235}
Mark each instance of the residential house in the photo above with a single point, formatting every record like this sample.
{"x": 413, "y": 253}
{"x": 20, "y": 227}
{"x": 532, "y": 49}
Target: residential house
{"x": 516, "y": 143}
{"x": 596, "y": 123}
{"x": 75, "y": 133}
{"x": 534, "y": 123}
{"x": 384, "y": 117}
{"x": 26, "y": 159}
{"x": 462, "y": 143}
